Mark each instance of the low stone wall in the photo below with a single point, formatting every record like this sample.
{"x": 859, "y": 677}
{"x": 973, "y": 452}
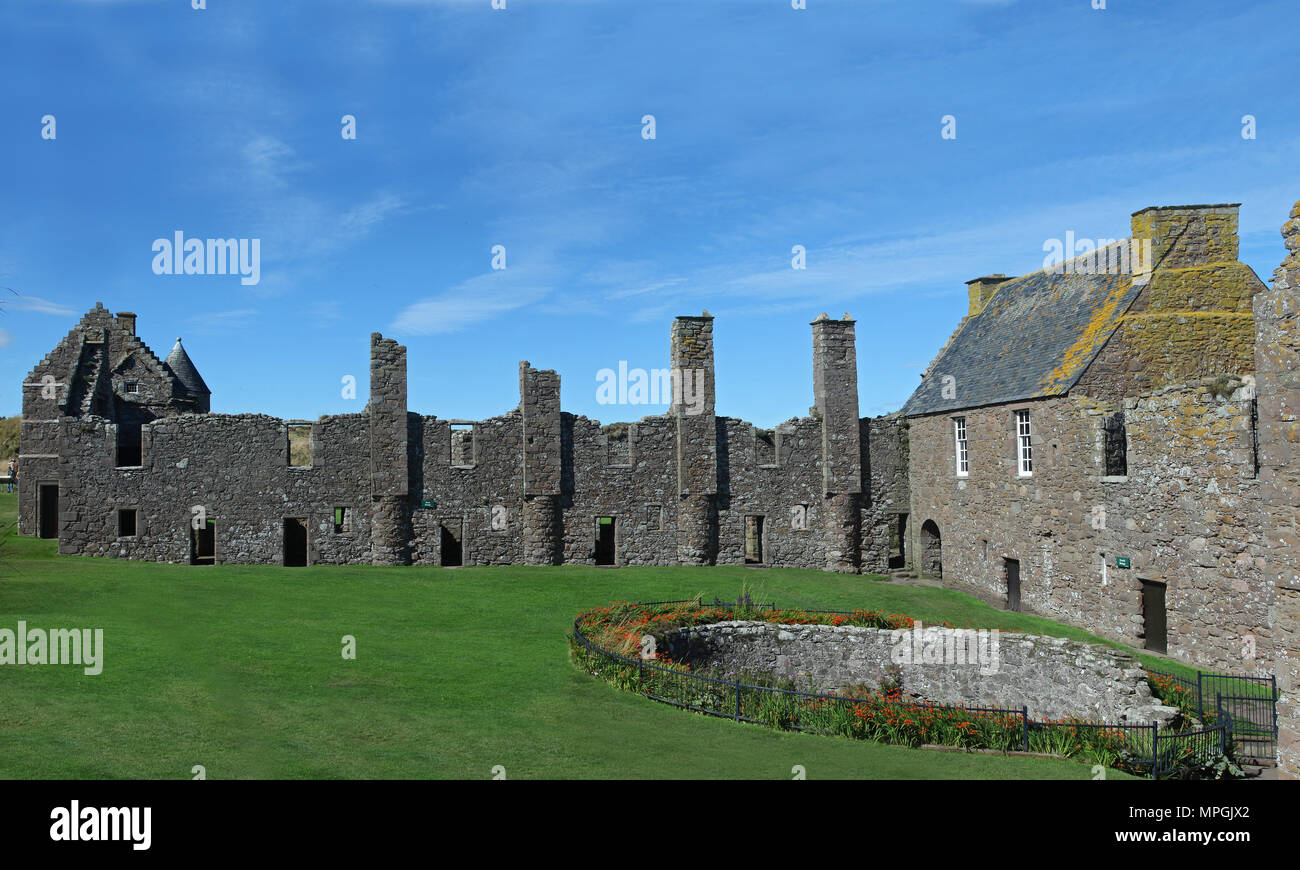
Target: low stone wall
{"x": 1054, "y": 677}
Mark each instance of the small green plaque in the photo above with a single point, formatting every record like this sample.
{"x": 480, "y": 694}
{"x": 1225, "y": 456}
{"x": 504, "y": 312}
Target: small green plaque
{"x": 1121, "y": 561}
{"x": 428, "y": 503}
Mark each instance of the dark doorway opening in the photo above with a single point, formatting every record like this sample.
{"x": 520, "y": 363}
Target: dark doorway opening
{"x": 452, "y": 546}
{"x": 753, "y": 540}
{"x": 203, "y": 544}
{"x": 604, "y": 540}
{"x": 1153, "y": 616}
{"x": 1013, "y": 584}
{"x": 898, "y": 542}
{"x": 295, "y": 542}
{"x": 47, "y": 510}
{"x": 931, "y": 549}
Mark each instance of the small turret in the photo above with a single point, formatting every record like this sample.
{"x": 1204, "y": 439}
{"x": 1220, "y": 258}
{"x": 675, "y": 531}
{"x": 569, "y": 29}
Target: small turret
{"x": 183, "y": 368}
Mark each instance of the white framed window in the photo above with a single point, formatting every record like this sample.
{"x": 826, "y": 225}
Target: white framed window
{"x": 959, "y": 436}
{"x": 1024, "y": 444}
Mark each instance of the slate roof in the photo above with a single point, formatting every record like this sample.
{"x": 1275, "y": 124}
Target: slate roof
{"x": 181, "y": 365}
{"x": 1034, "y": 338}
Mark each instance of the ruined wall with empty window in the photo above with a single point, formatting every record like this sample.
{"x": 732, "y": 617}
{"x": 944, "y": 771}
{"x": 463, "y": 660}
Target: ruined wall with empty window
{"x": 229, "y": 469}
{"x": 1181, "y": 515}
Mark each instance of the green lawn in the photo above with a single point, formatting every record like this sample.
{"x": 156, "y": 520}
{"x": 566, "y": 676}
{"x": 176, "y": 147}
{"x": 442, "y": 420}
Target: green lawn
{"x": 239, "y": 669}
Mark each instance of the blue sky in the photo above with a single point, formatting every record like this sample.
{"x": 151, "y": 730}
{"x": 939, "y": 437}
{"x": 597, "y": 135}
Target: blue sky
{"x": 523, "y": 128}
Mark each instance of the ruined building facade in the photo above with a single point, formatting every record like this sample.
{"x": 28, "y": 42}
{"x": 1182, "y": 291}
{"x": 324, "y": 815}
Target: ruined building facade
{"x": 1112, "y": 448}
{"x": 535, "y": 486}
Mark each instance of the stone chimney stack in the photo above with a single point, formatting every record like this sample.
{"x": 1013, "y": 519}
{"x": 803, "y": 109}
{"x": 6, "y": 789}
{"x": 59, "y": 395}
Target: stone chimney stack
{"x": 539, "y": 410}
{"x": 126, "y": 320}
{"x": 835, "y": 389}
{"x": 982, "y": 289}
{"x": 1188, "y": 235}
{"x": 691, "y": 358}
{"x": 390, "y": 521}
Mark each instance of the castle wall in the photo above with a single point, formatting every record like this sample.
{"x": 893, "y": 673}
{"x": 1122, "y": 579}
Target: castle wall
{"x": 1182, "y": 516}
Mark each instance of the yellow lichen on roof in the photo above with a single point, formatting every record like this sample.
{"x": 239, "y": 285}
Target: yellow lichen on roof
{"x": 1100, "y": 326}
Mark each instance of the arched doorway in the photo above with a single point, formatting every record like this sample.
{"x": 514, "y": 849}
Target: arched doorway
{"x": 931, "y": 550}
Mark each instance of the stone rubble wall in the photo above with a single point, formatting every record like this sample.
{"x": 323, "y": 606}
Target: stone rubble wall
{"x": 1054, "y": 677}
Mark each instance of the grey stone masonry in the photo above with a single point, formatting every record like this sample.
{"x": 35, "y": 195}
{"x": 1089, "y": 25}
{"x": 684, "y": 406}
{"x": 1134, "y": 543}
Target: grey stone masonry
{"x": 532, "y": 486}
{"x": 1054, "y": 677}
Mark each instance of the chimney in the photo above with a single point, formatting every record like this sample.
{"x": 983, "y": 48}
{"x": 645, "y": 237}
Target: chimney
{"x": 126, "y": 320}
{"x": 1189, "y": 235}
{"x": 982, "y": 289}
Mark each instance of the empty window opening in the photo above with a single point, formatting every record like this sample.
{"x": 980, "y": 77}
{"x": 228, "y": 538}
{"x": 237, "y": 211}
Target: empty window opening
{"x": 605, "y": 540}
{"x": 959, "y": 432}
{"x": 765, "y": 446}
{"x": 931, "y": 549}
{"x": 654, "y": 517}
{"x": 1012, "y": 569}
{"x": 618, "y": 444}
{"x": 898, "y": 542}
{"x": 47, "y": 510}
{"x": 462, "y": 445}
{"x": 342, "y": 520}
{"x": 452, "y": 548}
{"x": 1154, "y": 625}
{"x": 295, "y": 542}
{"x": 1116, "y": 445}
{"x": 203, "y": 544}
{"x": 130, "y": 454}
{"x": 1024, "y": 444}
{"x": 126, "y": 523}
{"x": 753, "y": 540}
{"x": 299, "y": 445}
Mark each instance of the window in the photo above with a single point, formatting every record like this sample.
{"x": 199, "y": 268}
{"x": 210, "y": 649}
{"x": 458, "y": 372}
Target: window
{"x": 1116, "y": 446}
{"x": 126, "y": 523}
{"x": 1024, "y": 444}
{"x": 132, "y": 387}
{"x": 342, "y": 520}
{"x": 130, "y": 449}
{"x": 300, "y": 445}
{"x": 618, "y": 443}
{"x": 765, "y": 446}
{"x": 959, "y": 431}
{"x": 654, "y": 517}
{"x": 462, "y": 445}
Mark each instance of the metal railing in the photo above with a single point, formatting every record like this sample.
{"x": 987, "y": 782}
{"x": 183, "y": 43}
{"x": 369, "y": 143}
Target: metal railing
{"x": 1158, "y": 754}
{"x": 1248, "y": 705}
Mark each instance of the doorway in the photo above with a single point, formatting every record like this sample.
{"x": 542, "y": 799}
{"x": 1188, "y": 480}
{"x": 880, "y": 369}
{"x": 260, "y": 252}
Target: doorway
{"x": 1013, "y": 584}
{"x": 604, "y": 540}
{"x": 452, "y": 547}
{"x": 754, "y": 540}
{"x": 931, "y": 550}
{"x": 295, "y": 542}
{"x": 203, "y": 548}
{"x": 47, "y": 510}
{"x": 1154, "y": 626}
{"x": 898, "y": 542}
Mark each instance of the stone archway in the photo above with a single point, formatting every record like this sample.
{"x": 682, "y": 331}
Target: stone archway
{"x": 931, "y": 561}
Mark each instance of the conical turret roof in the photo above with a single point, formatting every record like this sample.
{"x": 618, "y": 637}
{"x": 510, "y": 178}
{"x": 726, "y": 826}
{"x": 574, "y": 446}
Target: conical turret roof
{"x": 183, "y": 367}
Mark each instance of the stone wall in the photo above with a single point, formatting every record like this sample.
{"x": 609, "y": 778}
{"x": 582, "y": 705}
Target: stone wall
{"x": 1054, "y": 677}
{"x": 1277, "y": 355}
{"x": 1182, "y": 516}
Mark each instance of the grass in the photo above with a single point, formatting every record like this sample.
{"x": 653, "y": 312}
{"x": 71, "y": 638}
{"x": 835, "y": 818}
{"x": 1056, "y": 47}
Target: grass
{"x": 238, "y": 669}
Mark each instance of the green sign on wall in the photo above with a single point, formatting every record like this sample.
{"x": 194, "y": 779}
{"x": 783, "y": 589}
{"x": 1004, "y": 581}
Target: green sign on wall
{"x": 428, "y": 503}
{"x": 1121, "y": 561}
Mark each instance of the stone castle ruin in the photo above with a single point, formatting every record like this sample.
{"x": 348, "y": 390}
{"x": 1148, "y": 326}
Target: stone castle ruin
{"x": 1110, "y": 448}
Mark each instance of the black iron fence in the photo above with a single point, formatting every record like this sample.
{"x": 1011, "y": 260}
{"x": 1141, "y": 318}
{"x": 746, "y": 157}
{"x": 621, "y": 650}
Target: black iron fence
{"x": 1141, "y": 749}
{"x": 1248, "y": 705}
